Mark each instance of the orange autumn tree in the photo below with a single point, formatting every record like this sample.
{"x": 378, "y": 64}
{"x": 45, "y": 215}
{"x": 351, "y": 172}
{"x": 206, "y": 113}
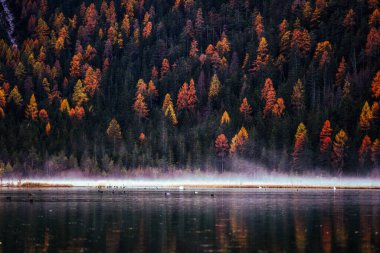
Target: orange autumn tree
{"x": 339, "y": 149}
{"x": 2, "y": 103}
{"x": 147, "y": 30}
{"x": 141, "y": 87}
{"x": 192, "y": 98}
{"x": 222, "y": 148}
{"x": 92, "y": 81}
{"x": 170, "y": 113}
{"x": 375, "y": 153}
{"x": 223, "y": 45}
{"x": 340, "y": 74}
{"x": 167, "y": 101}
{"x": 372, "y": 46}
{"x": 299, "y": 147}
{"x": 375, "y": 86}
{"x": 140, "y": 107}
{"x": 32, "y": 110}
{"x": 91, "y": 19}
{"x": 375, "y": 113}
{"x": 182, "y": 97}
{"x": 142, "y": 139}
{"x": 225, "y": 120}
{"x": 43, "y": 116}
{"x": 301, "y": 41}
{"x": 75, "y": 66}
{"x": 210, "y": 50}
{"x": 238, "y": 142}
{"x": 285, "y": 38}
{"x": 42, "y": 30}
{"x": 259, "y": 26}
{"x": 365, "y": 117}
{"x": 323, "y": 53}
{"x": 48, "y": 128}
{"x": 126, "y": 26}
{"x": 325, "y": 137}
{"x": 364, "y": 152}
{"x": 374, "y": 18}
{"x": 78, "y": 113}
{"x": 165, "y": 67}
{"x": 263, "y": 56}
{"x": 268, "y": 93}
{"x": 193, "y": 53}
{"x": 187, "y": 97}
{"x": 279, "y": 108}
{"x": 64, "y": 107}
{"x": 325, "y": 143}
{"x": 3, "y": 100}
{"x": 245, "y": 109}
{"x": 152, "y": 92}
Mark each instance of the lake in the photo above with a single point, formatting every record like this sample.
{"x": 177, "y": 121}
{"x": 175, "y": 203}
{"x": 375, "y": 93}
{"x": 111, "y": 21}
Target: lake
{"x": 238, "y": 220}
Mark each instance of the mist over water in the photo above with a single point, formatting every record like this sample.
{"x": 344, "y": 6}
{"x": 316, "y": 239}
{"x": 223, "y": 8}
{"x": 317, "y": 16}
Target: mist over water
{"x": 10, "y": 20}
{"x": 206, "y": 180}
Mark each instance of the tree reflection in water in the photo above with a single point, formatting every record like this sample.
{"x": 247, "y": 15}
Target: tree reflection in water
{"x": 79, "y": 220}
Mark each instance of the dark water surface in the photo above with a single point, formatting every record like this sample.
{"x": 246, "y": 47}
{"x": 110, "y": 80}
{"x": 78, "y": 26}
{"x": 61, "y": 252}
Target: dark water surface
{"x": 84, "y": 220}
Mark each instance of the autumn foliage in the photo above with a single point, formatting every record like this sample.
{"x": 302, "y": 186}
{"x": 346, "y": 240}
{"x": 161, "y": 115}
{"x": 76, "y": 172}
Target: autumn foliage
{"x": 325, "y": 137}
{"x": 339, "y": 149}
{"x": 364, "y": 152}
{"x": 225, "y": 120}
{"x": 299, "y": 147}
{"x": 191, "y": 72}
{"x": 268, "y": 93}
{"x": 239, "y": 142}
{"x": 32, "y": 110}
{"x": 221, "y": 145}
{"x": 140, "y": 107}
{"x": 245, "y": 109}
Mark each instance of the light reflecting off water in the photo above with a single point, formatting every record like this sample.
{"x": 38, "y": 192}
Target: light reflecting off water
{"x": 255, "y": 220}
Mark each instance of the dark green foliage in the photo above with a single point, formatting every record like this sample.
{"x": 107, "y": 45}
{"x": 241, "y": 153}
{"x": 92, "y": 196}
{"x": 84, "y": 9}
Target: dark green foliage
{"x": 83, "y": 144}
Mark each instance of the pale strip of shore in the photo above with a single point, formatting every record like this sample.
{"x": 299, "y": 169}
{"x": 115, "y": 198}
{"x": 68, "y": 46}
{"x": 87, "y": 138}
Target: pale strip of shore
{"x": 207, "y": 182}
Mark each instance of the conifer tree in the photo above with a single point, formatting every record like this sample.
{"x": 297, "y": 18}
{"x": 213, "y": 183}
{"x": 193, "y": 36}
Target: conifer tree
{"x": 298, "y": 97}
{"x": 170, "y": 113}
{"x": 364, "y": 152}
{"x": 32, "y": 110}
{"x": 339, "y": 149}
{"x": 222, "y": 148}
{"x": 214, "y": 87}
{"x": 15, "y": 97}
{"x": 375, "y": 153}
{"x": 245, "y": 109}
{"x": 79, "y": 95}
{"x": 140, "y": 107}
{"x": 375, "y": 85}
{"x": 225, "y": 120}
{"x": 299, "y": 147}
{"x": 114, "y": 132}
{"x": 365, "y": 117}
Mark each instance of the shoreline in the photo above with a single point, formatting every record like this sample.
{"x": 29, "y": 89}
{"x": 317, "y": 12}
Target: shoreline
{"x": 29, "y": 185}
{"x": 205, "y": 181}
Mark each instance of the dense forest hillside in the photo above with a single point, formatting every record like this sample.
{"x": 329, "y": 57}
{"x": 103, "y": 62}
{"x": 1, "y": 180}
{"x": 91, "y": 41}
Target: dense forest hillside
{"x": 110, "y": 86}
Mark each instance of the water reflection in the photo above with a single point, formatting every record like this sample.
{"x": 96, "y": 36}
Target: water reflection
{"x": 78, "y": 220}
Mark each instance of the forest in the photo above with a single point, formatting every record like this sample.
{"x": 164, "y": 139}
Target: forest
{"x": 107, "y": 86}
